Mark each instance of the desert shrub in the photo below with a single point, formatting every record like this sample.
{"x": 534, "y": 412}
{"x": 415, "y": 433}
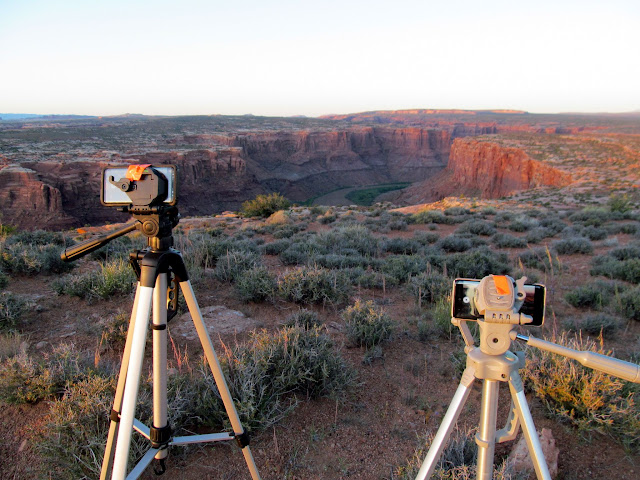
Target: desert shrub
{"x": 522, "y": 223}
{"x": 626, "y": 228}
{"x": 402, "y": 267}
{"x": 553, "y": 224}
{"x": 629, "y": 303}
{"x": 25, "y": 380}
{"x": 619, "y": 202}
{"x": 589, "y": 399}
{"x": 540, "y": 258}
{"x": 298, "y": 253}
{"x": 32, "y": 258}
{"x": 303, "y": 318}
{"x": 333, "y": 261}
{"x": 114, "y": 278}
{"x": 398, "y": 224}
{"x": 11, "y": 309}
{"x": 436, "y": 322}
{"x": 328, "y": 217}
{"x": 263, "y": 373}
{"x": 612, "y": 267}
{"x": 255, "y": 285}
{"x": 478, "y": 227}
{"x": 231, "y": 265}
{"x": 276, "y": 247}
{"x": 536, "y": 235}
{"x": 429, "y": 287}
{"x": 314, "y": 285}
{"x": 455, "y": 243}
{"x": 596, "y": 294}
{"x": 366, "y": 325}
{"x": 625, "y": 253}
{"x": 477, "y": 263}
{"x": 597, "y": 324}
{"x": 488, "y": 211}
{"x": 402, "y": 246}
{"x": 435, "y": 216}
{"x": 286, "y": 231}
{"x": 4, "y": 279}
{"x": 457, "y": 461}
{"x": 591, "y": 216}
{"x": 456, "y": 211}
{"x": 72, "y": 441}
{"x": 573, "y": 245}
{"x": 264, "y": 205}
{"x": 348, "y": 239}
{"x": 39, "y": 237}
{"x": 595, "y": 233}
{"x": 114, "y": 332}
{"x": 426, "y": 238}
{"x": 505, "y": 240}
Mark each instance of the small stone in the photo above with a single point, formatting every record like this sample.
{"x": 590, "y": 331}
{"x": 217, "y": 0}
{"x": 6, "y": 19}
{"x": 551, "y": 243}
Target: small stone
{"x": 41, "y": 345}
{"x": 521, "y": 460}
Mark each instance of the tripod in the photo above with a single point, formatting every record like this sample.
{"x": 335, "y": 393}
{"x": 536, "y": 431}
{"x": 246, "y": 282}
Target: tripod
{"x": 493, "y": 363}
{"x": 160, "y": 270}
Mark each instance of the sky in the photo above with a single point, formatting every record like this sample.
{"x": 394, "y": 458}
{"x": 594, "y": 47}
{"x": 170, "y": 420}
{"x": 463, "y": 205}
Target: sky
{"x": 281, "y": 58}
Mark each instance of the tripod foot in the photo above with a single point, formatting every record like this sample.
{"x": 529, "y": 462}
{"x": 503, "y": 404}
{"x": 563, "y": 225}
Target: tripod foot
{"x": 160, "y": 467}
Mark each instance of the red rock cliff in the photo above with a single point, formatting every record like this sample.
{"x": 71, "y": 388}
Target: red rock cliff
{"x": 486, "y": 170}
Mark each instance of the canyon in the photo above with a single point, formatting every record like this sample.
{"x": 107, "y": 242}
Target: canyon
{"x": 50, "y": 172}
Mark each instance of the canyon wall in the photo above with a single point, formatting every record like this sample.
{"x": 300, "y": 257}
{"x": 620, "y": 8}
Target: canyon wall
{"x": 218, "y": 172}
{"x": 486, "y": 170}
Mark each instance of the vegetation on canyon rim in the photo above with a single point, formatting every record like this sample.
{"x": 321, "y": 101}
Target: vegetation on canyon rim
{"x": 348, "y": 267}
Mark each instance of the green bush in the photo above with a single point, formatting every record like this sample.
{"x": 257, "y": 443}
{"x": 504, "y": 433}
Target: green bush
{"x": 402, "y": 246}
{"x": 629, "y": 304}
{"x": 314, "y": 285}
{"x": 478, "y": 227}
{"x": 366, "y": 325}
{"x": 436, "y": 322}
{"x": 303, "y": 318}
{"x": 73, "y": 439}
{"x": 573, "y": 245}
{"x": 25, "y": 380}
{"x": 611, "y": 267}
{"x": 620, "y": 203}
{"x": 591, "y": 216}
{"x": 430, "y": 287}
{"x": 115, "y": 277}
{"x": 505, "y": 240}
{"x": 31, "y": 259}
{"x": 276, "y": 247}
{"x": 402, "y": 267}
{"x": 11, "y": 309}
{"x": 596, "y": 294}
{"x": 598, "y": 324}
{"x": 536, "y": 235}
{"x": 589, "y": 399}
{"x": 264, "y": 205}
{"x": 522, "y": 224}
{"x": 235, "y": 262}
{"x": 263, "y": 373}
{"x": 426, "y": 238}
{"x": 540, "y": 258}
{"x": 455, "y": 243}
{"x": 477, "y": 263}
{"x": 255, "y": 285}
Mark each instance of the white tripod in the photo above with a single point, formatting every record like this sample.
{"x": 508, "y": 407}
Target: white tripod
{"x": 155, "y": 267}
{"x": 499, "y": 299}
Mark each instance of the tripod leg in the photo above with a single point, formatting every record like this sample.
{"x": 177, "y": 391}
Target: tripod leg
{"x": 161, "y": 430}
{"x": 218, "y": 376}
{"x": 448, "y": 422}
{"x": 486, "y": 437}
{"x": 528, "y": 428}
{"x": 107, "y": 461}
{"x": 130, "y": 394}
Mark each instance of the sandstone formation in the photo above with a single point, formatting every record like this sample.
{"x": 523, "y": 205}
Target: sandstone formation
{"x": 486, "y": 170}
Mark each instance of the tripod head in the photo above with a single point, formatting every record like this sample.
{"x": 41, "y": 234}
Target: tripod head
{"x": 148, "y": 193}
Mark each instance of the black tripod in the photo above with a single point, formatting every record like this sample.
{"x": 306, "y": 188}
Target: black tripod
{"x": 160, "y": 270}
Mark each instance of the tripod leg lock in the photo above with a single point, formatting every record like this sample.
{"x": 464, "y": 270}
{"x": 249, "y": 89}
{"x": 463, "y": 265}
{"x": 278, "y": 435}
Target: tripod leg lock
{"x": 242, "y": 439}
{"x": 160, "y": 437}
{"x": 114, "y": 416}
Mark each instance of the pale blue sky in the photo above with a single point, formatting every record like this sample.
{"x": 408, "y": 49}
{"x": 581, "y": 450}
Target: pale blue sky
{"x": 317, "y": 57}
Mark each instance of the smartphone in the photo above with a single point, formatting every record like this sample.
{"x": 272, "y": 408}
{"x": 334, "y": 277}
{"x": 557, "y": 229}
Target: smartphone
{"x": 161, "y": 180}
{"x": 463, "y": 301}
